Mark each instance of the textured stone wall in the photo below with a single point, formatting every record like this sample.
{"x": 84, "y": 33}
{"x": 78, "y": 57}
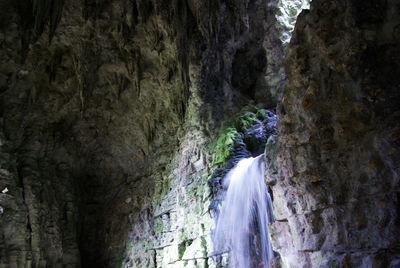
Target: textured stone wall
{"x": 107, "y": 110}
{"x": 80, "y": 117}
{"x": 177, "y": 232}
{"x": 336, "y": 200}
{"x": 102, "y": 131}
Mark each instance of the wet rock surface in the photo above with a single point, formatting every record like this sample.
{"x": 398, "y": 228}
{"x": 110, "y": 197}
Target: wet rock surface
{"x": 108, "y": 109}
{"x": 336, "y": 199}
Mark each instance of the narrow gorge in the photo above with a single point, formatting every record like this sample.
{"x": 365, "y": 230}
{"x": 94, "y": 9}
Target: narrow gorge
{"x": 122, "y": 121}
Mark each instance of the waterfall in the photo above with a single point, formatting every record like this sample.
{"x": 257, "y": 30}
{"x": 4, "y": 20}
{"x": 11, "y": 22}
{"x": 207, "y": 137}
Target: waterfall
{"x": 242, "y": 225}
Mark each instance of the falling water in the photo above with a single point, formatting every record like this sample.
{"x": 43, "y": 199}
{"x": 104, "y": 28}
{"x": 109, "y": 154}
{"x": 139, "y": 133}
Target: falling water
{"x": 242, "y": 226}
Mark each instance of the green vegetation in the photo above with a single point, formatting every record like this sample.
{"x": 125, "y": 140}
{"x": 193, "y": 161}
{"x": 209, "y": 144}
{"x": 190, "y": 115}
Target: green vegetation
{"x": 129, "y": 245}
{"x": 224, "y": 145}
{"x": 228, "y": 137}
{"x": 182, "y": 248}
{"x": 158, "y": 226}
{"x": 249, "y": 118}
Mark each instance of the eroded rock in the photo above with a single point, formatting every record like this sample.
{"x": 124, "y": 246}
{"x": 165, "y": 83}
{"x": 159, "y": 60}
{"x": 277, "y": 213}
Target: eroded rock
{"x": 336, "y": 196}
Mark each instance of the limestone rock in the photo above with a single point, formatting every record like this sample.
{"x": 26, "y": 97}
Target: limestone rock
{"x": 108, "y": 109}
{"x": 336, "y": 193}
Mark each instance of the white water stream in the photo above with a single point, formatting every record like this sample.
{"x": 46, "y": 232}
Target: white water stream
{"x": 242, "y": 226}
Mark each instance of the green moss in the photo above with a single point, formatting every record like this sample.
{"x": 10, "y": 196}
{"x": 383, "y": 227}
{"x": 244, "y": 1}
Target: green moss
{"x": 227, "y": 139}
{"x": 181, "y": 250}
{"x": 245, "y": 121}
{"x": 158, "y": 226}
{"x": 129, "y": 245}
{"x": 260, "y": 114}
{"x": 204, "y": 246}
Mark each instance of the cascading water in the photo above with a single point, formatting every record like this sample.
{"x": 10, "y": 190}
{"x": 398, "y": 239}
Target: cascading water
{"x": 242, "y": 226}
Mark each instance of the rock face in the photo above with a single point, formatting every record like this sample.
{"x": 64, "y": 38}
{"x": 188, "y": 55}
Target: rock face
{"x": 80, "y": 118}
{"x": 108, "y": 110}
{"x": 336, "y": 200}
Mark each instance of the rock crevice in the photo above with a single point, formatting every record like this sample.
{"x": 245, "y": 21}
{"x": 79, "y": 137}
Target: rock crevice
{"x": 108, "y": 110}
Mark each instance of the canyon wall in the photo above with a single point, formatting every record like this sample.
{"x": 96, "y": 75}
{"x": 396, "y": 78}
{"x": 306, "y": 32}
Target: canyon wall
{"x": 336, "y": 197}
{"x": 106, "y": 111}
{"x": 110, "y": 112}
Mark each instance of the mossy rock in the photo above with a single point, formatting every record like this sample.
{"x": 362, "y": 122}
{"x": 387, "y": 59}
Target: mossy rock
{"x": 229, "y": 136}
{"x": 245, "y": 136}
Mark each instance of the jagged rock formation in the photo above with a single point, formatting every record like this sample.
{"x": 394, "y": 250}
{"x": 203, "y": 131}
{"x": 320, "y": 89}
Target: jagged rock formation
{"x": 108, "y": 108}
{"x": 81, "y": 119}
{"x": 338, "y": 189}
